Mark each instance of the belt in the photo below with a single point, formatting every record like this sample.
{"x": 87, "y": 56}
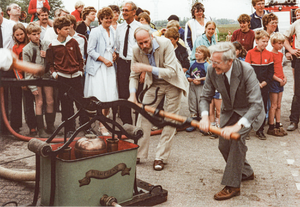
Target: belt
{"x": 127, "y": 61}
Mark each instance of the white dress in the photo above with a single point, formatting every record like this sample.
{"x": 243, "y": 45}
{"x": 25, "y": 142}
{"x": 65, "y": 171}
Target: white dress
{"x": 104, "y": 84}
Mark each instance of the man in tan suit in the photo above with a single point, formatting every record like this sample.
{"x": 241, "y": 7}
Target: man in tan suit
{"x": 156, "y": 57}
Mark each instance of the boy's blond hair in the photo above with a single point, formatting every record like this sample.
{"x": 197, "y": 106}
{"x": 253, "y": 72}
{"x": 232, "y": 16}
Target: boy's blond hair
{"x": 277, "y": 37}
{"x": 260, "y": 34}
{"x": 204, "y": 50}
{"x": 61, "y": 22}
{"x": 254, "y": 2}
{"x": 173, "y": 23}
{"x": 172, "y": 33}
{"x": 33, "y": 27}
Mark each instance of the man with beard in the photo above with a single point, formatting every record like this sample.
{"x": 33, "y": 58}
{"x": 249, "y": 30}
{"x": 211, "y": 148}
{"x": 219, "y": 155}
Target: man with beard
{"x": 124, "y": 44}
{"x": 156, "y": 57}
{"x": 43, "y": 21}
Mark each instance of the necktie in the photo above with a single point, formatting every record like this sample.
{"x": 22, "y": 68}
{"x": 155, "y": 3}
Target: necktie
{"x": 126, "y": 42}
{"x": 1, "y": 39}
{"x": 227, "y": 85}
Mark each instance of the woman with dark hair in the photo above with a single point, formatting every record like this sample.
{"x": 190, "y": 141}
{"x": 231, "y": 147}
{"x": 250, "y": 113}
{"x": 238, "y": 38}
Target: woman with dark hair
{"x": 244, "y": 35}
{"x": 195, "y": 26}
{"x": 100, "y": 78}
{"x": 115, "y": 19}
{"x": 88, "y": 16}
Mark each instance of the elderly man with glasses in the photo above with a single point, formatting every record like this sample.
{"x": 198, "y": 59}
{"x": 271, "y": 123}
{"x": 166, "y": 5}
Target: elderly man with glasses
{"x": 242, "y": 107}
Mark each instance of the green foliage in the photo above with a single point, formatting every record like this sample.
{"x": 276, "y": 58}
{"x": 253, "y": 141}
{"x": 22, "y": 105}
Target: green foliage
{"x": 55, "y": 4}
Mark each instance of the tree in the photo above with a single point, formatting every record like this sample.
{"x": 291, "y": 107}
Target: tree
{"x": 55, "y": 4}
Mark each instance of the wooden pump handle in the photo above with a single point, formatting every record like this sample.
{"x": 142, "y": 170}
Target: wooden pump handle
{"x": 182, "y": 119}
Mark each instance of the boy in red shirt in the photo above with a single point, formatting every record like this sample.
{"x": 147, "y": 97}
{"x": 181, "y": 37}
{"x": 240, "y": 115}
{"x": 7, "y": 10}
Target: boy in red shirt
{"x": 276, "y": 86}
{"x": 66, "y": 65}
{"x": 262, "y": 62}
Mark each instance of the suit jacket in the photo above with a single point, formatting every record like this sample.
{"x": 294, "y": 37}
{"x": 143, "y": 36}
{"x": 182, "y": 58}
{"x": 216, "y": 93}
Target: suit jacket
{"x": 245, "y": 96}
{"x": 169, "y": 67}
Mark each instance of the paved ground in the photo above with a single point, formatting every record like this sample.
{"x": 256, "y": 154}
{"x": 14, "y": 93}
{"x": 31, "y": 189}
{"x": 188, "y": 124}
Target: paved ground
{"x": 194, "y": 170}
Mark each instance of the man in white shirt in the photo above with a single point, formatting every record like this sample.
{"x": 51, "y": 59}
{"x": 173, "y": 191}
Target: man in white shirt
{"x": 14, "y": 12}
{"x": 43, "y": 16}
{"x": 6, "y": 30}
{"x": 124, "y": 44}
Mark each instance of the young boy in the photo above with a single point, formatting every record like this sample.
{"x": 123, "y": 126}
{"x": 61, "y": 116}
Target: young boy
{"x": 196, "y": 76}
{"x": 66, "y": 65}
{"x": 276, "y": 86}
{"x": 262, "y": 62}
{"x": 180, "y": 51}
{"x": 35, "y": 52}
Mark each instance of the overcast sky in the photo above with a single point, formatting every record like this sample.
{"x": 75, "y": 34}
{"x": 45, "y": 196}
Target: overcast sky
{"x": 162, "y": 9}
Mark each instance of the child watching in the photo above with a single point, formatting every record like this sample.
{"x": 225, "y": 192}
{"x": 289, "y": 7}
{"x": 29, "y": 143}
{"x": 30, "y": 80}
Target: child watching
{"x": 180, "y": 51}
{"x": 196, "y": 76}
{"x": 240, "y": 51}
{"x": 262, "y": 62}
{"x": 66, "y": 65}
{"x": 78, "y": 9}
{"x": 35, "y": 52}
{"x": 276, "y": 86}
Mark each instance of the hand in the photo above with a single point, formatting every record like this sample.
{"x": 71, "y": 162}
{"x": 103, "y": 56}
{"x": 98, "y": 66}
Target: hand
{"x": 35, "y": 93}
{"x": 228, "y": 130}
{"x": 43, "y": 53}
{"x": 197, "y": 82}
{"x": 289, "y": 56}
{"x": 114, "y": 56}
{"x": 38, "y": 10}
{"x": 56, "y": 77}
{"x": 24, "y": 88}
{"x": 132, "y": 98}
{"x": 295, "y": 52}
{"x": 142, "y": 77}
{"x": 141, "y": 67}
{"x": 204, "y": 123}
{"x": 283, "y": 82}
{"x": 107, "y": 63}
{"x": 190, "y": 79}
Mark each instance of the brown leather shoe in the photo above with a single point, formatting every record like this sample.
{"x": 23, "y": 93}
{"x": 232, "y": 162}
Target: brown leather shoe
{"x": 275, "y": 132}
{"x": 251, "y": 177}
{"x": 281, "y": 129}
{"x": 158, "y": 165}
{"x": 226, "y": 193}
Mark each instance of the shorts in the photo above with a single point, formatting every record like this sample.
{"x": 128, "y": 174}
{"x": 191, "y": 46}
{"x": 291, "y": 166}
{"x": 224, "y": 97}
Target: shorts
{"x": 275, "y": 87}
{"x": 217, "y": 95}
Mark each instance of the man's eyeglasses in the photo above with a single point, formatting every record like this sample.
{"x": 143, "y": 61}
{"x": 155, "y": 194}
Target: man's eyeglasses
{"x": 126, "y": 10}
{"x": 16, "y": 7}
{"x": 214, "y": 62}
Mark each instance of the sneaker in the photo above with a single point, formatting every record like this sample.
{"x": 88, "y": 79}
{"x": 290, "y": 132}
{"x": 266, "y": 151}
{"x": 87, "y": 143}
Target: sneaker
{"x": 292, "y": 127}
{"x": 260, "y": 135}
{"x": 275, "y": 132}
{"x": 190, "y": 129}
{"x": 158, "y": 165}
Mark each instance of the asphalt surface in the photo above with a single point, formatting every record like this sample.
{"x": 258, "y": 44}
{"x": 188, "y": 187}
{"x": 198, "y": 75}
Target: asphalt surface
{"x": 195, "y": 167}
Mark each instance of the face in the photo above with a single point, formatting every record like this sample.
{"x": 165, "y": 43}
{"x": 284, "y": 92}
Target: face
{"x": 106, "y": 21}
{"x": 34, "y": 37}
{"x": 174, "y": 41}
{"x": 80, "y": 9}
{"x": 298, "y": 15}
{"x": 262, "y": 43}
{"x": 218, "y": 64}
{"x": 210, "y": 30}
{"x": 237, "y": 52}
{"x": 43, "y": 16}
{"x": 143, "y": 21}
{"x": 272, "y": 25}
{"x": 128, "y": 13}
{"x": 64, "y": 32}
{"x": 260, "y": 6}
{"x": 278, "y": 45}
{"x": 116, "y": 16}
{"x": 244, "y": 26}
{"x": 15, "y": 10}
{"x": 199, "y": 55}
{"x": 19, "y": 35}
{"x": 144, "y": 41}
{"x": 91, "y": 16}
{"x": 198, "y": 13}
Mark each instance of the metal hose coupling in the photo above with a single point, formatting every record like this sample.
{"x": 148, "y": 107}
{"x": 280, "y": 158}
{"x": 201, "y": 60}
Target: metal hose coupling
{"x": 109, "y": 201}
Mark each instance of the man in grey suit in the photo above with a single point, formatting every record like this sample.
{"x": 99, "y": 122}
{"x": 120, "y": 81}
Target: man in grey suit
{"x": 242, "y": 107}
{"x": 156, "y": 57}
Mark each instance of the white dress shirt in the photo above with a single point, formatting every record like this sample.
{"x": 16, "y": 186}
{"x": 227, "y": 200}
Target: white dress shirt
{"x": 5, "y": 59}
{"x": 7, "y": 32}
{"x": 120, "y": 37}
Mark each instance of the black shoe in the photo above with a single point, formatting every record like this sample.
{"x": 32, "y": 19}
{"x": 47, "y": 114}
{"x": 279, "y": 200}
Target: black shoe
{"x": 69, "y": 134}
{"x": 260, "y": 135}
{"x": 251, "y": 177}
{"x": 32, "y": 132}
